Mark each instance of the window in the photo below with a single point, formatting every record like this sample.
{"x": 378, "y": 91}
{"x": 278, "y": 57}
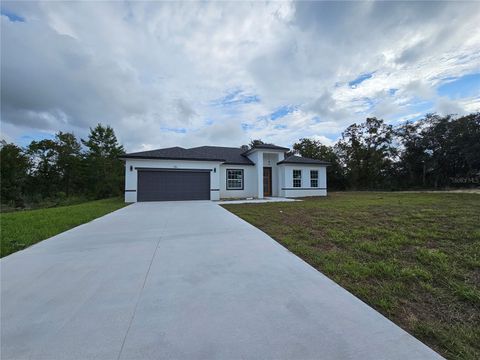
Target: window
{"x": 313, "y": 178}
{"x": 234, "y": 179}
{"x": 297, "y": 178}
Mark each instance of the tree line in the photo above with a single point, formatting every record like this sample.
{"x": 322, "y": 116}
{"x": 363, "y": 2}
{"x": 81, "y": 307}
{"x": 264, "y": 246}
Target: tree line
{"x": 433, "y": 152}
{"x": 52, "y": 170}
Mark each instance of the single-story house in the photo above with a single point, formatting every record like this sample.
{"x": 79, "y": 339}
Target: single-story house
{"x": 214, "y": 172}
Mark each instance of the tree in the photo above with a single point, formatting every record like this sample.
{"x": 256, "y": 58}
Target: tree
{"x": 14, "y": 168}
{"x": 367, "y": 154}
{"x": 435, "y": 139}
{"x": 466, "y": 145}
{"x": 69, "y": 158}
{"x": 256, "y": 142}
{"x": 314, "y": 149}
{"x": 413, "y": 157}
{"x": 451, "y": 147}
{"x": 104, "y": 169}
{"x": 44, "y": 177}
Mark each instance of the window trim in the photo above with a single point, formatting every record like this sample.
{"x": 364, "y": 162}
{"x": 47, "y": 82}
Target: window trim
{"x": 314, "y": 179}
{"x": 296, "y": 178}
{"x": 226, "y": 179}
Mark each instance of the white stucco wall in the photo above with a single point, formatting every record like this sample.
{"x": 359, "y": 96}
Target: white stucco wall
{"x": 257, "y": 158}
{"x": 287, "y": 189}
{"x": 267, "y": 158}
{"x": 131, "y": 175}
{"x": 249, "y": 182}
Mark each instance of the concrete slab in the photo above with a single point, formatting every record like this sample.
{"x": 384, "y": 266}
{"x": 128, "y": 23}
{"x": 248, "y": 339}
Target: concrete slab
{"x": 183, "y": 280}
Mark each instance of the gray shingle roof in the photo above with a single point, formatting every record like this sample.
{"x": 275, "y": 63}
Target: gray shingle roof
{"x": 228, "y": 155}
{"x": 302, "y": 160}
{"x": 270, "y": 146}
{"x": 265, "y": 147}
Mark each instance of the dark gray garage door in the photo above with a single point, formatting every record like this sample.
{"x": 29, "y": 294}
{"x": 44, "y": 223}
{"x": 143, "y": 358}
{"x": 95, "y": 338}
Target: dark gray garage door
{"x": 165, "y": 185}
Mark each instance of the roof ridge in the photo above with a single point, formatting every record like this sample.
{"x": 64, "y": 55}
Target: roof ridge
{"x": 153, "y": 150}
{"x": 216, "y": 146}
{"x": 302, "y": 160}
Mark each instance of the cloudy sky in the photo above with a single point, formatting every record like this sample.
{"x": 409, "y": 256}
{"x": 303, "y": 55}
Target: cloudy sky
{"x": 198, "y": 73}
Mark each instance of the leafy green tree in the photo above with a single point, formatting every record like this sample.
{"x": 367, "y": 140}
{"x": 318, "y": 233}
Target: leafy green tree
{"x": 413, "y": 156}
{"x": 256, "y": 142}
{"x": 466, "y": 145}
{"x": 451, "y": 146}
{"x": 44, "y": 176}
{"x": 436, "y": 137}
{"x": 69, "y": 158}
{"x": 104, "y": 169}
{"x": 14, "y": 167}
{"x": 367, "y": 154}
{"x": 314, "y": 149}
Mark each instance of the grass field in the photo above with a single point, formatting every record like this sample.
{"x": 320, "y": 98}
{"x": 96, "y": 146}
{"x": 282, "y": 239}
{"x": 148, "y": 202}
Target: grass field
{"x": 21, "y": 229}
{"x": 415, "y": 257}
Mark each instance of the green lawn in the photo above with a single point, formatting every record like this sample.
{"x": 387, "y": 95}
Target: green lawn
{"x": 24, "y": 228}
{"x": 415, "y": 257}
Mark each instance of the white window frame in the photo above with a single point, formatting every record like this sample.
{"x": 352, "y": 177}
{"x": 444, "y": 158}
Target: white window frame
{"x": 239, "y": 180}
{"x": 314, "y": 180}
{"x": 297, "y": 179}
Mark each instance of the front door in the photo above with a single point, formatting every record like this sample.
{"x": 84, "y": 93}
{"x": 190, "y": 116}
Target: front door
{"x": 267, "y": 181}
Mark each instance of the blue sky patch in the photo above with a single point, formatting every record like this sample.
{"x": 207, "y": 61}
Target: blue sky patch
{"x": 361, "y": 78}
{"x": 25, "y": 140}
{"x": 392, "y": 92}
{"x": 12, "y": 16}
{"x": 282, "y": 111}
{"x": 236, "y": 97}
{"x": 370, "y": 102}
{"x": 175, "y": 130}
{"x": 464, "y": 86}
{"x": 280, "y": 127}
{"x": 246, "y": 127}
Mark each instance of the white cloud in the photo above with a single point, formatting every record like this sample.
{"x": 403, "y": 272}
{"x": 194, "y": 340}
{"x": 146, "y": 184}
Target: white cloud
{"x": 152, "y": 70}
{"x": 445, "y": 106}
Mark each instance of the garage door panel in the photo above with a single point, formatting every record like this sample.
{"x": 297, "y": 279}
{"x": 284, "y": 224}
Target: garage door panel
{"x": 173, "y": 185}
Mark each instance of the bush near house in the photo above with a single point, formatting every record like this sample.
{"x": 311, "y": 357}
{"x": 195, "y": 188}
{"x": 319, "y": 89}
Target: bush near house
{"x": 415, "y": 257}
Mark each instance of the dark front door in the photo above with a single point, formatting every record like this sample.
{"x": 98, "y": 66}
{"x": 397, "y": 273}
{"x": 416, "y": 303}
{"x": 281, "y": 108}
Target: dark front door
{"x": 165, "y": 185}
{"x": 267, "y": 181}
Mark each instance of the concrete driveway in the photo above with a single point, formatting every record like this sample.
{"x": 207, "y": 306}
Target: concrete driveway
{"x": 182, "y": 280}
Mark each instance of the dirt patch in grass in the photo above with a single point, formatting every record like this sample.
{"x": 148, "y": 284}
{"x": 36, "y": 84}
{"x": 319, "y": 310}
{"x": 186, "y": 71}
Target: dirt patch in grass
{"x": 415, "y": 257}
